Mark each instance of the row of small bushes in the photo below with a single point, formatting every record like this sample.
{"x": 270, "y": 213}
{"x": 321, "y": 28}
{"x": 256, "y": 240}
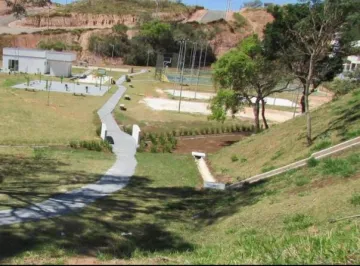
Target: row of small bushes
{"x": 165, "y": 143}
{"x": 92, "y": 145}
{"x": 201, "y": 131}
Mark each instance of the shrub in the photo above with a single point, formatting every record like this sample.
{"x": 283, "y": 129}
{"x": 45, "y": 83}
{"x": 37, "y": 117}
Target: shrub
{"x": 355, "y": 199}
{"x": 298, "y": 222}
{"x": 74, "y": 144}
{"x": 323, "y": 144}
{"x": 234, "y": 158}
{"x": 92, "y": 145}
{"x": 342, "y": 86}
{"x": 239, "y": 20}
{"x": 337, "y": 167}
{"x": 302, "y": 180}
{"x": 196, "y": 132}
{"x": 174, "y": 133}
{"x": 153, "y": 138}
{"x": 168, "y": 148}
{"x": 162, "y": 140}
{"x": 39, "y": 153}
{"x": 154, "y": 149}
{"x": 352, "y": 134}
{"x": 312, "y": 162}
{"x": 142, "y": 146}
{"x": 243, "y": 160}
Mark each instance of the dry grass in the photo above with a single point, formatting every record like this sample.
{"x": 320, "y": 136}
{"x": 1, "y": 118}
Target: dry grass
{"x": 151, "y": 120}
{"x": 124, "y": 7}
{"x": 27, "y": 118}
{"x": 162, "y": 218}
{"x": 32, "y": 175}
{"x": 286, "y": 143}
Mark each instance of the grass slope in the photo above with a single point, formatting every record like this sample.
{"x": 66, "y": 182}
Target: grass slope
{"x": 285, "y": 143}
{"x": 26, "y": 117}
{"x": 32, "y": 175}
{"x": 161, "y": 218}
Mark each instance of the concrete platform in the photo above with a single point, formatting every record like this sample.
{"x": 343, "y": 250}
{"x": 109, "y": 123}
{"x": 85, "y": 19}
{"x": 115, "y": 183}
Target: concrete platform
{"x": 56, "y": 86}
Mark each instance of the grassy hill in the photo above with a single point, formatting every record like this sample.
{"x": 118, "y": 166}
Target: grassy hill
{"x": 286, "y": 143}
{"x": 163, "y": 217}
{"x": 119, "y": 7}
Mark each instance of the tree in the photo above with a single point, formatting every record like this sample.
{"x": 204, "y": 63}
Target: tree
{"x": 250, "y": 76}
{"x": 309, "y": 39}
{"x": 18, "y": 7}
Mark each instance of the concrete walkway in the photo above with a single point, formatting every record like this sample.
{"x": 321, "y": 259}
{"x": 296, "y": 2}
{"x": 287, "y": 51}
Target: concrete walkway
{"x": 116, "y": 178}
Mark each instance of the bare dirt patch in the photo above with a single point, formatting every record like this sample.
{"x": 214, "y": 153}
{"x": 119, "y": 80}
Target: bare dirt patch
{"x": 206, "y": 144}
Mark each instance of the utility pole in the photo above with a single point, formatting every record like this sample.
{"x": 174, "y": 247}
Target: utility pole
{"x": 193, "y": 62}
{"x": 198, "y": 74}
{"x": 179, "y": 63}
{"x": 112, "y": 56}
{"x": 157, "y": 8}
{"x": 182, "y": 74}
{"x": 180, "y": 56}
{"x": 206, "y": 50}
{"x": 148, "y": 57}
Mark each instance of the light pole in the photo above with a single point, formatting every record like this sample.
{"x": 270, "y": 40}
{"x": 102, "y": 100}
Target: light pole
{"x": 182, "y": 74}
{"x": 193, "y": 62}
{"x": 112, "y": 56}
{"x": 206, "y": 50}
{"x": 198, "y": 74}
{"x": 178, "y": 75}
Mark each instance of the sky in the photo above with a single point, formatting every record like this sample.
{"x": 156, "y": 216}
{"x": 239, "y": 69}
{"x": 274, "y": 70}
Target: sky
{"x": 216, "y": 4}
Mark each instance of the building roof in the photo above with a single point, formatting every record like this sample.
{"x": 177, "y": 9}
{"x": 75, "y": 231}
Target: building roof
{"x": 38, "y": 53}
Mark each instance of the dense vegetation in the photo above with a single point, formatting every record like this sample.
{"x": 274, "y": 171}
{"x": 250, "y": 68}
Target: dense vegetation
{"x": 119, "y": 7}
{"x": 154, "y": 37}
{"x": 59, "y": 46}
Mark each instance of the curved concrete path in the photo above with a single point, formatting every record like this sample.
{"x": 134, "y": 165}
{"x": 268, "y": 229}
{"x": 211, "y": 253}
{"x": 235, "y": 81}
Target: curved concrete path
{"x": 116, "y": 178}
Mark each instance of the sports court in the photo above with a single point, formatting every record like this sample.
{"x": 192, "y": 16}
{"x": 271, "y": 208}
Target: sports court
{"x": 65, "y": 87}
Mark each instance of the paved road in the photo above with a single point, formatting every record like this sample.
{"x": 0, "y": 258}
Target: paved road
{"x": 116, "y": 178}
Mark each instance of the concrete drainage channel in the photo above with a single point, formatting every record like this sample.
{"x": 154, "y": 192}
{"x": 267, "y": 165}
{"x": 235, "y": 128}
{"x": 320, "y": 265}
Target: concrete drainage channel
{"x": 209, "y": 180}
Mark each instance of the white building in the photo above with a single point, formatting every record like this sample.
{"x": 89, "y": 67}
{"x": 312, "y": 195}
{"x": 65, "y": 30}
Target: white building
{"x": 353, "y": 61}
{"x": 35, "y": 61}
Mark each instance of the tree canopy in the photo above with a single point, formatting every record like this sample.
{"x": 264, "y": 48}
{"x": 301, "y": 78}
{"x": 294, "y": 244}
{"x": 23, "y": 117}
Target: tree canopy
{"x": 250, "y": 76}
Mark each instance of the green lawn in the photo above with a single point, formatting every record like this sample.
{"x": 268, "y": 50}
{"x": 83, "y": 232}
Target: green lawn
{"x": 33, "y": 175}
{"x": 161, "y": 218}
{"x": 27, "y": 118}
{"x": 285, "y": 143}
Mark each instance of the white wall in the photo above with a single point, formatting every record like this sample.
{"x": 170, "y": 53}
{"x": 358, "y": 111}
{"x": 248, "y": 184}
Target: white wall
{"x": 60, "y": 68}
{"x": 27, "y": 64}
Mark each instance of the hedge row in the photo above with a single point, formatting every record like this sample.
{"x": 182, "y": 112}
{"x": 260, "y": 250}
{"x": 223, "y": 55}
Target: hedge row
{"x": 92, "y": 145}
